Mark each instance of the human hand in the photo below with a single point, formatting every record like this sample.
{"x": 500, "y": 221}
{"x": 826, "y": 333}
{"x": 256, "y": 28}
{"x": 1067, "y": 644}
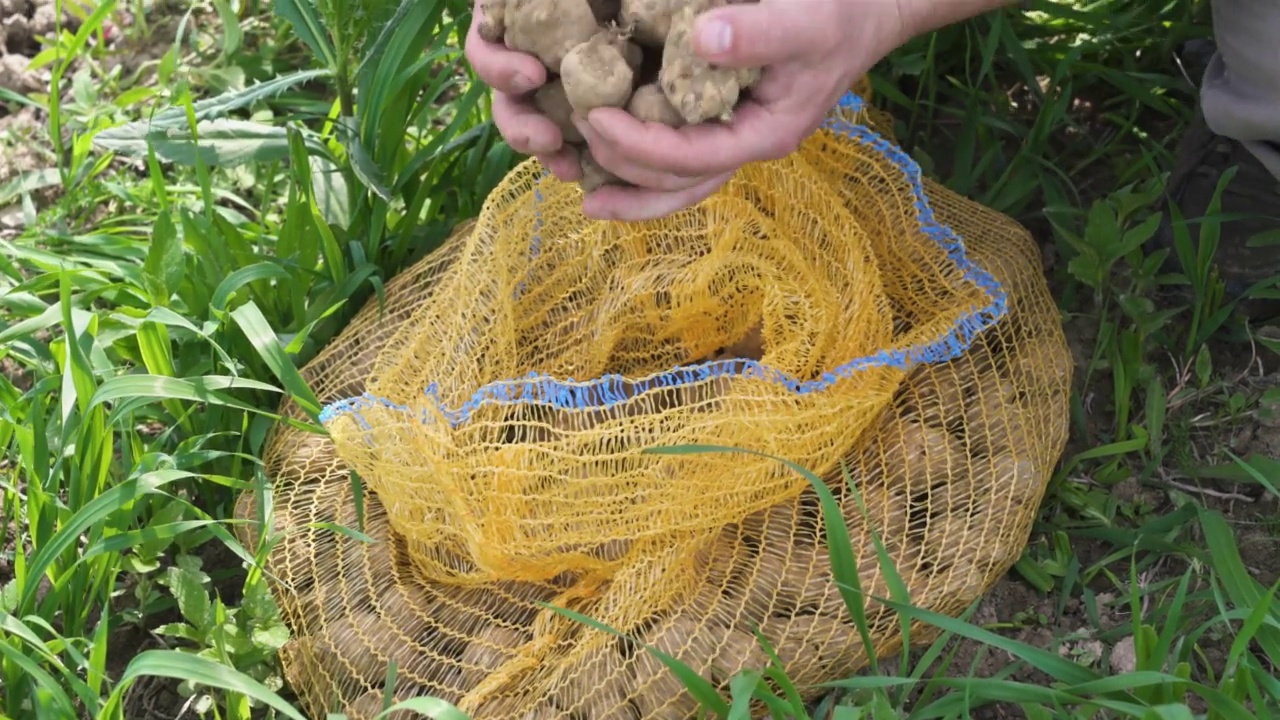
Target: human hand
{"x": 810, "y": 59}
{"x": 514, "y": 77}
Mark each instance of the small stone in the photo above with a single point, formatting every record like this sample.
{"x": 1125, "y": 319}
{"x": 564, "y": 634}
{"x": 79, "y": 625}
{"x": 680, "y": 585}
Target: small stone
{"x": 15, "y": 7}
{"x": 17, "y": 33}
{"x": 11, "y": 218}
{"x": 44, "y": 21}
{"x": 15, "y": 75}
{"x": 1124, "y": 657}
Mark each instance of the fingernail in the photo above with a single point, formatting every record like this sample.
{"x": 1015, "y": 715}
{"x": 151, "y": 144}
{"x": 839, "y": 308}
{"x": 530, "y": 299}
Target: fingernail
{"x": 715, "y": 36}
{"x": 522, "y": 83}
{"x": 583, "y": 125}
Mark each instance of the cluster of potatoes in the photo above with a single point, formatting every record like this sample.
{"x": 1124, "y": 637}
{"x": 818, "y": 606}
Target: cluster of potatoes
{"x": 635, "y": 55}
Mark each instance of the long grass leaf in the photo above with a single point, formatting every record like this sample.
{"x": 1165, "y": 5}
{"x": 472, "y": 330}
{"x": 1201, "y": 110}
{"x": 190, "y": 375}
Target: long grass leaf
{"x": 202, "y": 671}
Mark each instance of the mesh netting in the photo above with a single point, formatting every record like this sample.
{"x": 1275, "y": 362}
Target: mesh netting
{"x": 819, "y": 308}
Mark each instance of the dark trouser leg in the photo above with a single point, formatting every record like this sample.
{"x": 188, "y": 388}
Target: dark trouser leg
{"x": 1238, "y": 125}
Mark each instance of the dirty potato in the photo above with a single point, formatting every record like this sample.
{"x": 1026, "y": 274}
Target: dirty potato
{"x": 649, "y": 20}
{"x": 594, "y": 176}
{"x": 814, "y": 648}
{"x": 650, "y": 104}
{"x": 696, "y": 88}
{"x": 486, "y": 651}
{"x": 598, "y": 686}
{"x": 552, "y": 102}
{"x": 598, "y": 73}
{"x": 548, "y": 29}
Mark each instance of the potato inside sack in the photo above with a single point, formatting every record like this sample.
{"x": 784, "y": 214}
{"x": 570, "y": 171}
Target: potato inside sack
{"x": 707, "y": 645}
{"x": 993, "y": 420}
{"x": 598, "y": 686}
{"x": 369, "y": 705}
{"x": 813, "y": 648}
{"x": 486, "y": 651}
{"x": 366, "y": 643}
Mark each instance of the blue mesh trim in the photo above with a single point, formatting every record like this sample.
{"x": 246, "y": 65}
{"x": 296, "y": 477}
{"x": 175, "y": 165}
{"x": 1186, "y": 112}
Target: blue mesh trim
{"x": 609, "y": 390}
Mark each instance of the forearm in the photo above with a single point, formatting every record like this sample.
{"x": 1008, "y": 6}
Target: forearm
{"x": 924, "y": 16}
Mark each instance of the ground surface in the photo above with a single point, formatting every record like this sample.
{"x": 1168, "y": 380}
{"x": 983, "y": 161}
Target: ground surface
{"x": 1042, "y": 136}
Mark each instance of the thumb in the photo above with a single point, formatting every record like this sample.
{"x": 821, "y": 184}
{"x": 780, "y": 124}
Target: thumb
{"x": 763, "y": 33}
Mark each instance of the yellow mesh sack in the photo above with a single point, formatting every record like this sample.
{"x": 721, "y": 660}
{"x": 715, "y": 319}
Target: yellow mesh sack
{"x": 499, "y": 411}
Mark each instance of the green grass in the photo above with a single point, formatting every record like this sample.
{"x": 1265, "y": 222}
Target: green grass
{"x": 160, "y": 293}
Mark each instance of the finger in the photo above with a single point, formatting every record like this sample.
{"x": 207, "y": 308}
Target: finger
{"x": 526, "y": 130}
{"x": 765, "y": 33}
{"x": 637, "y": 204}
{"x": 757, "y": 132}
{"x": 608, "y": 158}
{"x": 503, "y": 70}
{"x": 563, "y": 164}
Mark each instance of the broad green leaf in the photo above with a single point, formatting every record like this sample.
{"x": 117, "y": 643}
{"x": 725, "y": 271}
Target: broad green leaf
{"x": 188, "y": 590}
{"x": 175, "y": 117}
{"x": 272, "y": 636}
{"x": 165, "y": 262}
{"x": 222, "y": 142}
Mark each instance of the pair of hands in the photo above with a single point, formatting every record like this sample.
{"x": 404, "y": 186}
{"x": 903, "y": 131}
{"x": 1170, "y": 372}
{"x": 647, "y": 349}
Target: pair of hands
{"x": 812, "y": 52}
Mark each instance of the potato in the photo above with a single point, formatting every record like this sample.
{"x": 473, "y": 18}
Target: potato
{"x": 552, "y": 102}
{"x": 740, "y": 650}
{"x": 597, "y": 73}
{"x": 1008, "y": 482}
{"x": 594, "y": 177}
{"x": 648, "y": 20}
{"x": 994, "y": 421}
{"x": 919, "y": 455}
{"x": 1042, "y": 361}
{"x": 697, "y": 89}
{"x": 368, "y": 705}
{"x": 486, "y": 652}
{"x": 782, "y": 579}
{"x": 886, "y": 508}
{"x": 939, "y": 393}
{"x": 965, "y": 557}
{"x": 549, "y": 29}
{"x": 650, "y": 104}
{"x": 706, "y": 644}
{"x": 492, "y": 20}
{"x": 363, "y": 646}
{"x": 503, "y": 708}
{"x": 813, "y": 649}
{"x": 598, "y": 686}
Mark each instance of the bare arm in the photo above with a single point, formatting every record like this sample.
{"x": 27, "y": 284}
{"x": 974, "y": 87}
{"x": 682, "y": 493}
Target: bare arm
{"x": 925, "y": 16}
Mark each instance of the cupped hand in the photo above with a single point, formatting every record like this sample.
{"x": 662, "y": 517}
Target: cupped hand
{"x": 812, "y": 52}
{"x": 514, "y": 77}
